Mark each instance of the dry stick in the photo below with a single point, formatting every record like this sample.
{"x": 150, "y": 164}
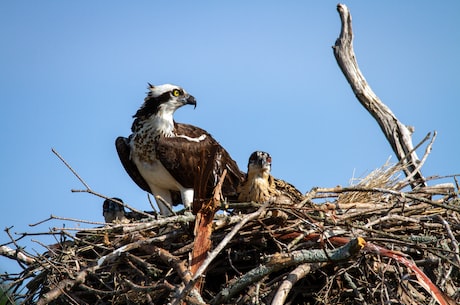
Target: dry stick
{"x": 293, "y": 277}
{"x": 71, "y": 169}
{"x": 217, "y": 250}
{"x": 397, "y": 134}
{"x": 408, "y": 179}
{"x": 90, "y": 191}
{"x": 387, "y": 191}
{"x": 65, "y": 285}
{"x": 359, "y": 297}
{"x": 452, "y": 237}
{"x": 280, "y": 261}
{"x": 67, "y": 219}
{"x": 16, "y": 255}
{"x": 80, "y": 277}
{"x": 181, "y": 270}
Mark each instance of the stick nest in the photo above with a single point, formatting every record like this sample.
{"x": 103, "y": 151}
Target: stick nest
{"x": 282, "y": 254}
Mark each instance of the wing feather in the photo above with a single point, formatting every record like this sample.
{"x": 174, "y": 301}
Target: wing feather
{"x": 180, "y": 156}
{"x": 124, "y": 152}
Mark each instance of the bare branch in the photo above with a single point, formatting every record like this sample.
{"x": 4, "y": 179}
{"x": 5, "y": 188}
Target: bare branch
{"x": 397, "y": 134}
{"x": 70, "y": 168}
{"x": 293, "y": 277}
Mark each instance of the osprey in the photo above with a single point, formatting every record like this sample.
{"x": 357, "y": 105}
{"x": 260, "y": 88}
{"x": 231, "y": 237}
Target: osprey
{"x": 167, "y": 159}
{"x": 113, "y": 211}
{"x": 260, "y": 186}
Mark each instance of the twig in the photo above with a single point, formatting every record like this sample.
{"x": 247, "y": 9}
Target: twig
{"x": 151, "y": 204}
{"x": 65, "y": 285}
{"x": 67, "y": 219}
{"x": 359, "y": 296}
{"x": 419, "y": 165}
{"x": 387, "y": 191}
{"x": 217, "y": 250}
{"x": 452, "y": 237}
{"x": 89, "y": 191}
{"x": 167, "y": 204}
{"x": 284, "y": 260}
{"x": 293, "y": 277}
{"x": 70, "y": 168}
{"x": 17, "y": 255}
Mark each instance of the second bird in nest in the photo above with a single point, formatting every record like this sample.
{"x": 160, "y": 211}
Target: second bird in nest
{"x": 260, "y": 186}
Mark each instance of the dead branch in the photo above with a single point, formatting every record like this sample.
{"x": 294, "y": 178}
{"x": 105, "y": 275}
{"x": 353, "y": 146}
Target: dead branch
{"x": 286, "y": 260}
{"x": 16, "y": 255}
{"x": 217, "y": 250}
{"x": 293, "y": 277}
{"x": 397, "y": 134}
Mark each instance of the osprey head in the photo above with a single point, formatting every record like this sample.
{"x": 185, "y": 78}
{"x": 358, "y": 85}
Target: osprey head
{"x": 111, "y": 206}
{"x": 260, "y": 161}
{"x": 164, "y": 99}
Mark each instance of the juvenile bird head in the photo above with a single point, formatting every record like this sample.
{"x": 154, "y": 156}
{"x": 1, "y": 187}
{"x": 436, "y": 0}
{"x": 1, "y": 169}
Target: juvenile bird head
{"x": 112, "y": 210}
{"x": 259, "y": 161}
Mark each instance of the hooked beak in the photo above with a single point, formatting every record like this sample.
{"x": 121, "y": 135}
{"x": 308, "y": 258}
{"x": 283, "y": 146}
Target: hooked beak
{"x": 190, "y": 100}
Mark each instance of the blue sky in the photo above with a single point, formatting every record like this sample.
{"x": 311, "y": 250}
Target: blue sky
{"x": 263, "y": 73}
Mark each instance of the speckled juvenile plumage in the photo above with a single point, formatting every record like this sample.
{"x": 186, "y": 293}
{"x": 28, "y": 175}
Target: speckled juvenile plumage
{"x": 260, "y": 186}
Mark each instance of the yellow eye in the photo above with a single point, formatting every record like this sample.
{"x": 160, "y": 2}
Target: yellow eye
{"x": 176, "y": 92}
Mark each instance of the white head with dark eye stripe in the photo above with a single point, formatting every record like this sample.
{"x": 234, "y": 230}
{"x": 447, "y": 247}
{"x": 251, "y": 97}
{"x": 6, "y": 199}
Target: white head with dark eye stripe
{"x": 159, "y": 106}
{"x": 260, "y": 161}
{"x": 164, "y": 100}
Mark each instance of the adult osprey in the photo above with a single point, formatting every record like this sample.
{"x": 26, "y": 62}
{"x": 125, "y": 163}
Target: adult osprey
{"x": 167, "y": 159}
{"x": 260, "y": 186}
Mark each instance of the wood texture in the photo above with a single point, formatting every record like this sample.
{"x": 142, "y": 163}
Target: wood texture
{"x": 398, "y": 135}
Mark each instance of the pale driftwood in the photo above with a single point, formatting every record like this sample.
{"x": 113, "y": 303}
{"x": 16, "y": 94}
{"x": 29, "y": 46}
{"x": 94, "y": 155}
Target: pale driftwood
{"x": 398, "y": 135}
{"x": 16, "y": 255}
{"x": 298, "y": 273}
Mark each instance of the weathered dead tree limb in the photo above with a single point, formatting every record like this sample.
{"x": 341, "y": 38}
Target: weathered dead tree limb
{"x": 397, "y": 134}
{"x": 17, "y": 255}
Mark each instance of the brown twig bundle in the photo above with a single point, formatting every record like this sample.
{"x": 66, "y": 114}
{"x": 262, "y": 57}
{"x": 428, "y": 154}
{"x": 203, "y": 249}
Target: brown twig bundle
{"x": 387, "y": 247}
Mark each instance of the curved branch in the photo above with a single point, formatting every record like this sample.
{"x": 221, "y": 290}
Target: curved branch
{"x": 396, "y": 133}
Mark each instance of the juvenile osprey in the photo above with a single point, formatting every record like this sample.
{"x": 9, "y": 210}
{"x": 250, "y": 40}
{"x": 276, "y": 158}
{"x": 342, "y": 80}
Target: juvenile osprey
{"x": 165, "y": 158}
{"x": 260, "y": 186}
{"x": 113, "y": 211}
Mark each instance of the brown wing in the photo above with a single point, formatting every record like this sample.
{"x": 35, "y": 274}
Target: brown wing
{"x": 183, "y": 159}
{"x": 288, "y": 190}
{"x": 124, "y": 152}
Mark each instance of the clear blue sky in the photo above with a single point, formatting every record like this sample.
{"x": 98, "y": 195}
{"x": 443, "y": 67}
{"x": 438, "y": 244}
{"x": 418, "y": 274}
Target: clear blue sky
{"x": 263, "y": 73}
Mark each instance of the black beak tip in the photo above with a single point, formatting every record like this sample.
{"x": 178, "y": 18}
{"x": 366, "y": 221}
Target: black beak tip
{"x": 191, "y": 101}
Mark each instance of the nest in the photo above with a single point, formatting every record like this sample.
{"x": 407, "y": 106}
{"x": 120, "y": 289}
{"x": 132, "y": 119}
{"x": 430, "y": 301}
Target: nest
{"x": 369, "y": 243}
